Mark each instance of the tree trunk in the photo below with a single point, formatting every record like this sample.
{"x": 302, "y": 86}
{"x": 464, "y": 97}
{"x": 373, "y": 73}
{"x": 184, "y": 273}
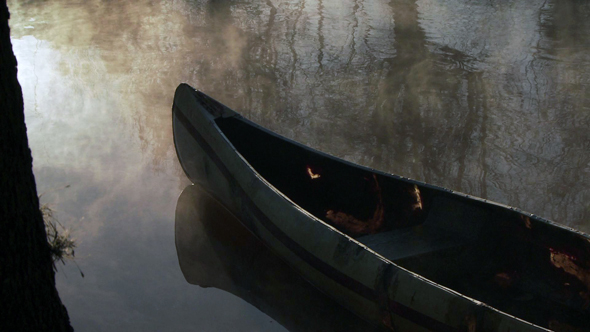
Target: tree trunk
{"x": 28, "y": 298}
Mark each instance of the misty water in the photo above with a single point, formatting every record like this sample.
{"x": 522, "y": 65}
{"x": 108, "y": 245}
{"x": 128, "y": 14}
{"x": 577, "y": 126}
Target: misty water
{"x": 490, "y": 98}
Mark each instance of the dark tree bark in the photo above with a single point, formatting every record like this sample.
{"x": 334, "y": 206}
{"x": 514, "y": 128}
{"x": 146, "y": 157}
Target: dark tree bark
{"x": 28, "y": 298}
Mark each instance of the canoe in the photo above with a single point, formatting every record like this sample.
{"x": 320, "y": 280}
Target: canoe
{"x": 400, "y": 253}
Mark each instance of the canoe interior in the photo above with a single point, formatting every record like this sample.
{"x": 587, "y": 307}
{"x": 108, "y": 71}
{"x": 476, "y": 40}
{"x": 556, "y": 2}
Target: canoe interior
{"x": 512, "y": 261}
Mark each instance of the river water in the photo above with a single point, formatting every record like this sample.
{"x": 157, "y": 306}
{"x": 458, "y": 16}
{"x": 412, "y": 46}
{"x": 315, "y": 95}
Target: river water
{"x": 491, "y": 98}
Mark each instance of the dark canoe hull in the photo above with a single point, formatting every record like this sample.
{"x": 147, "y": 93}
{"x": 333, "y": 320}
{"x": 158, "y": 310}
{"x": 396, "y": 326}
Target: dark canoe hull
{"x": 357, "y": 277}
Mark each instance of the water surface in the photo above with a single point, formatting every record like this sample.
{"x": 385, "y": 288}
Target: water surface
{"x": 490, "y": 98}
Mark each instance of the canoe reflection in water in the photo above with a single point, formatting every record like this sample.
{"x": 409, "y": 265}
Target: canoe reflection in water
{"x": 215, "y": 250}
